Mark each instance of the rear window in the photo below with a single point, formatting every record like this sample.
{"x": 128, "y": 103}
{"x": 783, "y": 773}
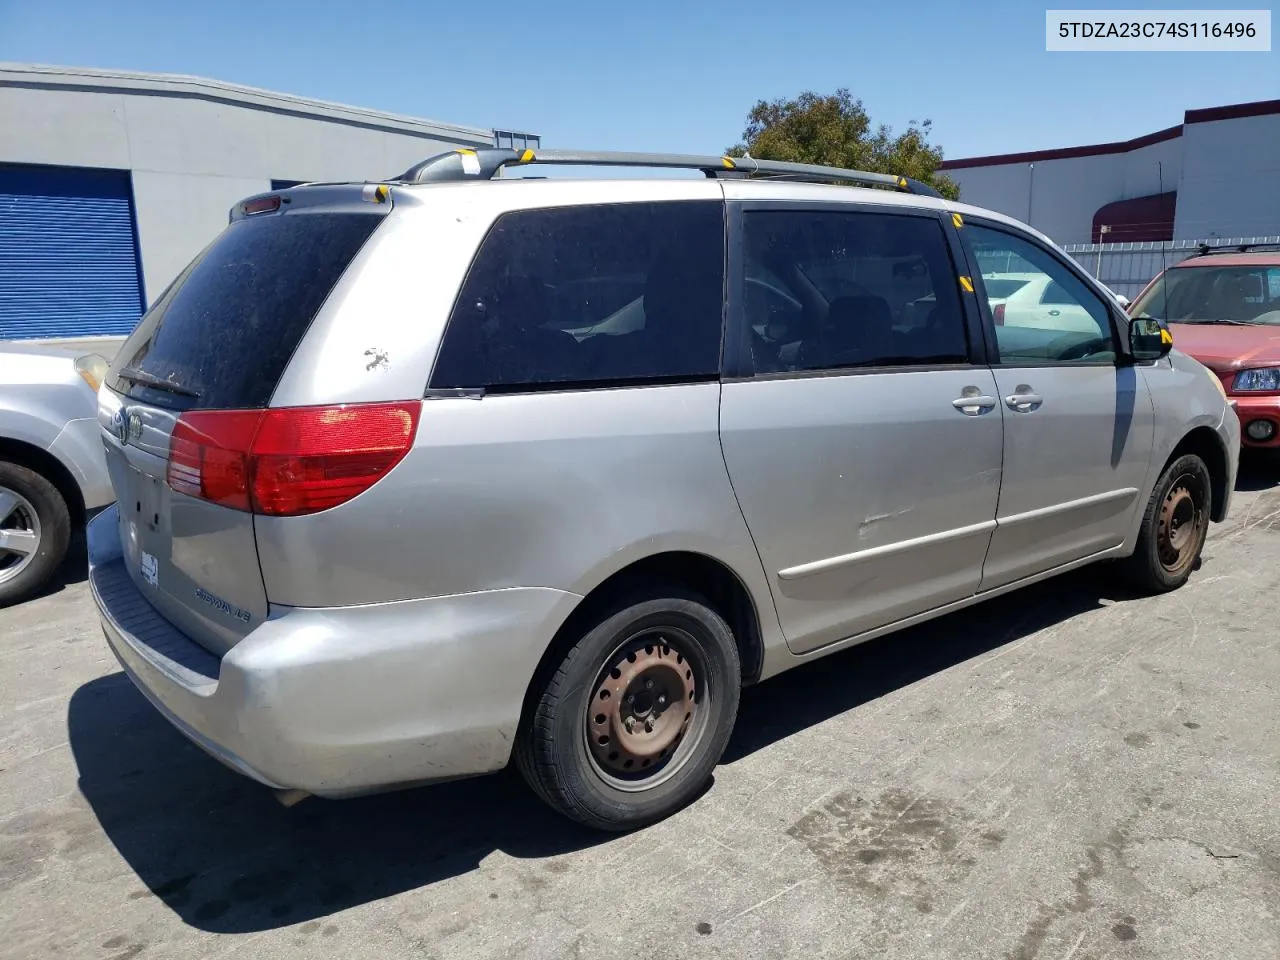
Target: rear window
{"x": 590, "y": 295}
{"x": 223, "y": 332}
{"x": 1001, "y": 289}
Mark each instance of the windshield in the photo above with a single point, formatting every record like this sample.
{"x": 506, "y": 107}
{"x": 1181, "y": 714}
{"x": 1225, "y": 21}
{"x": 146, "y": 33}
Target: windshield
{"x": 1228, "y": 294}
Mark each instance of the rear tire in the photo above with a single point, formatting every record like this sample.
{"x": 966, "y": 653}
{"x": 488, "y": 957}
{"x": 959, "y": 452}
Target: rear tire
{"x": 630, "y": 726}
{"x": 1174, "y": 527}
{"x": 35, "y": 531}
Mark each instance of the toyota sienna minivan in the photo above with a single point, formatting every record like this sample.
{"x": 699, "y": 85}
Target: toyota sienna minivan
{"x": 419, "y": 477}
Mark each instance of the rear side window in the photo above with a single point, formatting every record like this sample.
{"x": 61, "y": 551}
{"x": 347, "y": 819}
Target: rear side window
{"x": 590, "y": 295}
{"x": 222, "y": 333}
{"x": 889, "y": 294}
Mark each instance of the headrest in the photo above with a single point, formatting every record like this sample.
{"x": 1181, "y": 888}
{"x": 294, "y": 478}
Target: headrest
{"x": 863, "y": 323}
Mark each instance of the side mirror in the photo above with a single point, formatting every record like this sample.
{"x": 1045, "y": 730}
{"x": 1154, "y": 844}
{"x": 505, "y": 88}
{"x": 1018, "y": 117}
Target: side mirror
{"x": 1149, "y": 339}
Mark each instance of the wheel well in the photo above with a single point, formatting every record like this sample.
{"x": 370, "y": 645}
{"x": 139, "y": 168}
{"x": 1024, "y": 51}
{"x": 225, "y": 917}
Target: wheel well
{"x": 50, "y": 467}
{"x": 1204, "y": 443}
{"x": 692, "y": 571}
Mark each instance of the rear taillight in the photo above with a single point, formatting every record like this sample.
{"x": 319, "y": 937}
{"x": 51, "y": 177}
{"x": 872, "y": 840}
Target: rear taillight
{"x": 290, "y": 461}
{"x": 998, "y": 314}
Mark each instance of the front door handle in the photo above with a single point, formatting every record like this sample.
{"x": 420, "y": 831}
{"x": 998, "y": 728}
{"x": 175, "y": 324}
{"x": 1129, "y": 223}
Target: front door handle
{"x": 973, "y": 405}
{"x": 1023, "y": 401}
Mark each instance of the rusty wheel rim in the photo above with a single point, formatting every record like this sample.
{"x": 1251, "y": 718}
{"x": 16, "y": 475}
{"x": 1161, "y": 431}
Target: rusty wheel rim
{"x": 645, "y": 714}
{"x": 1181, "y": 523}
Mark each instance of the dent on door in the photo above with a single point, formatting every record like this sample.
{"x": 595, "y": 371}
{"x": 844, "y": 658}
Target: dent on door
{"x": 871, "y": 498}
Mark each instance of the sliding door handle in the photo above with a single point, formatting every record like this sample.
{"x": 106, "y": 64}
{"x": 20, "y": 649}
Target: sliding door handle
{"x": 1023, "y": 402}
{"x": 974, "y": 405}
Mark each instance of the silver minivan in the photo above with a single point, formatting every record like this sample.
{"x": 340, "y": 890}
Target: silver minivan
{"x": 418, "y": 477}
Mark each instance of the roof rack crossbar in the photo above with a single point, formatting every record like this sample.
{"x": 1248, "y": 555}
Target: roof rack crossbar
{"x": 1213, "y": 249}
{"x": 485, "y": 164}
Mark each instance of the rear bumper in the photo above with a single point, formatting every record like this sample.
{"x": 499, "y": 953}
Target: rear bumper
{"x": 1266, "y": 409}
{"x": 339, "y": 701}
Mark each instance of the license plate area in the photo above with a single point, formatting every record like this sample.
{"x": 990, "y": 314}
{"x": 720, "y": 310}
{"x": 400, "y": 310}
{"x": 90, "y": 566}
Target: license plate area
{"x": 143, "y": 512}
{"x": 147, "y": 498}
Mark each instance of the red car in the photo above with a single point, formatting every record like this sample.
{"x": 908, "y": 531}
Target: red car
{"x": 1224, "y": 310}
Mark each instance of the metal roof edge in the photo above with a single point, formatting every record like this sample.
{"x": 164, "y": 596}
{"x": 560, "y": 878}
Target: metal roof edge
{"x": 44, "y": 75}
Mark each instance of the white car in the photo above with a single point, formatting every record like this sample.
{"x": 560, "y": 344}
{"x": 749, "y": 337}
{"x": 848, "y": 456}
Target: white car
{"x": 1034, "y": 300}
{"x": 53, "y": 470}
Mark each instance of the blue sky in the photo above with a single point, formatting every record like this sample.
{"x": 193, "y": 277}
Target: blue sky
{"x": 658, "y": 74}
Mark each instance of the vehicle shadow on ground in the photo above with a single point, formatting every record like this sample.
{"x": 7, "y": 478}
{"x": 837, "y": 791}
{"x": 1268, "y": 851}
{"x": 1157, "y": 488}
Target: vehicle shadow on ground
{"x": 74, "y": 569}
{"x": 810, "y": 694}
{"x": 1258, "y": 471}
{"x": 225, "y": 856}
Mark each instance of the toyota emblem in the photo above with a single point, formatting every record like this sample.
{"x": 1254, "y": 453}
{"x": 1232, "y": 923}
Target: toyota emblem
{"x": 126, "y": 426}
{"x": 120, "y": 426}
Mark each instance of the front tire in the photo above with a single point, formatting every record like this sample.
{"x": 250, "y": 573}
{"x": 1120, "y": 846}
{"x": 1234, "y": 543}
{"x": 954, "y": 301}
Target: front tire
{"x": 630, "y": 726}
{"x": 35, "y": 532}
{"x": 1174, "y": 527}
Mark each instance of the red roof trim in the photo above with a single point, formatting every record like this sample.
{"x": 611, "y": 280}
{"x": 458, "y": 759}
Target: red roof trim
{"x": 1066, "y": 153}
{"x": 1235, "y": 111}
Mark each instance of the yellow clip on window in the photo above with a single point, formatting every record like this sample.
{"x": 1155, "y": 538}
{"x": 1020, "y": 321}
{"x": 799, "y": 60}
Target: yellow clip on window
{"x": 957, "y": 220}
{"x": 967, "y": 284}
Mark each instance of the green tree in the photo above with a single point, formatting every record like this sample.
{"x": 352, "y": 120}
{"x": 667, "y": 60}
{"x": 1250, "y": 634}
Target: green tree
{"x": 836, "y": 131}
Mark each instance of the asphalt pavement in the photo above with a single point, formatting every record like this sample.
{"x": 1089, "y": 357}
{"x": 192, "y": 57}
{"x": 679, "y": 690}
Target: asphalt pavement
{"x": 1069, "y": 773}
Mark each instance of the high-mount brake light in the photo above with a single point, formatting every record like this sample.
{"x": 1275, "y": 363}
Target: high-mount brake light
{"x": 261, "y": 205}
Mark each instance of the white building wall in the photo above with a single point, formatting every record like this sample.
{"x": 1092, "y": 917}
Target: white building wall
{"x": 1057, "y": 197}
{"x": 1151, "y": 170}
{"x": 1230, "y": 179}
{"x": 1226, "y": 174}
{"x": 197, "y": 147}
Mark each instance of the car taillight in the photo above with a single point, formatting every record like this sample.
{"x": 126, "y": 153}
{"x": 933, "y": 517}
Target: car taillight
{"x": 289, "y": 461}
{"x": 312, "y": 458}
{"x": 998, "y": 314}
{"x": 208, "y": 455}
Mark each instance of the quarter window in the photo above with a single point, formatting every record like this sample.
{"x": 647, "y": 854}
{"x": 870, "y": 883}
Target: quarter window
{"x": 830, "y": 290}
{"x": 590, "y": 295}
{"x": 1050, "y": 315}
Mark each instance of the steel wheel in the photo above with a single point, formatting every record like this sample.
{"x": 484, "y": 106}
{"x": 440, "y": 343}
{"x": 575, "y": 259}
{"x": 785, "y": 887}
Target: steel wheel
{"x": 1181, "y": 524}
{"x": 20, "y": 534}
{"x": 646, "y": 713}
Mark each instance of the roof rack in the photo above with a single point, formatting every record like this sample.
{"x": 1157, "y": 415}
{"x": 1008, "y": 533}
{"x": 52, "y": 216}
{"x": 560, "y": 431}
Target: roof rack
{"x": 485, "y": 164}
{"x": 1208, "y": 250}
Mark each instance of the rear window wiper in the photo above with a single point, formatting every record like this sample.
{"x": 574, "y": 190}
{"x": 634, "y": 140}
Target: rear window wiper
{"x": 134, "y": 375}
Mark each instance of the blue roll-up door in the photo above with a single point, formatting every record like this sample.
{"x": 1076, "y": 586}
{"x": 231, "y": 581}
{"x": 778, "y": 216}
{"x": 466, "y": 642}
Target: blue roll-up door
{"x": 68, "y": 260}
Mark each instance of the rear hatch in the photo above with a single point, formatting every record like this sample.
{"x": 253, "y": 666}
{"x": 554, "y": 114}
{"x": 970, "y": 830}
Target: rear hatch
{"x": 188, "y": 389}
